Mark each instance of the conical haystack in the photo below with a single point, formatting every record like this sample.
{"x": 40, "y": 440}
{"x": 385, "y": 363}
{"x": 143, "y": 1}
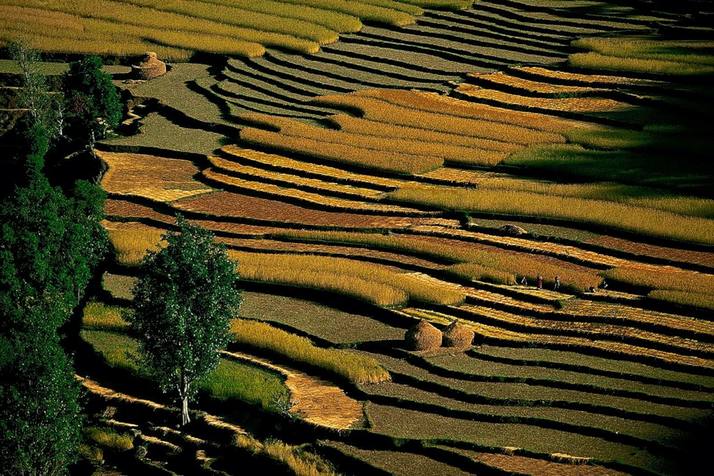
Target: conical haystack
{"x": 423, "y": 336}
{"x": 458, "y": 336}
{"x": 150, "y": 67}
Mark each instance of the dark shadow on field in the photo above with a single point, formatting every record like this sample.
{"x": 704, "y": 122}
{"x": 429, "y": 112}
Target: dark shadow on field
{"x": 694, "y": 451}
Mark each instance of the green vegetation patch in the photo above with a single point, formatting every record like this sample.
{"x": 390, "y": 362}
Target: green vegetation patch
{"x": 230, "y": 380}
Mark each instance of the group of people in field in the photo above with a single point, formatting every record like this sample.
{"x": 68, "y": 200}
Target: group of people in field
{"x": 556, "y": 283}
{"x": 539, "y": 282}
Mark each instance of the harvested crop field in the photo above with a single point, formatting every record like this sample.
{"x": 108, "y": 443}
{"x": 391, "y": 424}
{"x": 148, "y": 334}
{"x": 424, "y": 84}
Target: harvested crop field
{"x": 535, "y": 172}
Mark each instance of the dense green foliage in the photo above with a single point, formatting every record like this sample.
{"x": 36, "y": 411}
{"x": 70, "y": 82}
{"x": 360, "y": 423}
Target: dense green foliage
{"x": 183, "y": 302}
{"x": 91, "y": 100}
{"x": 49, "y": 244}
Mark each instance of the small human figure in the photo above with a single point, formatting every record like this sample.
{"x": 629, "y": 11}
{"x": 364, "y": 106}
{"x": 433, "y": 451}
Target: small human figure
{"x": 604, "y": 284}
{"x": 524, "y": 281}
{"x": 539, "y": 282}
{"x": 556, "y": 285}
{"x": 591, "y": 289}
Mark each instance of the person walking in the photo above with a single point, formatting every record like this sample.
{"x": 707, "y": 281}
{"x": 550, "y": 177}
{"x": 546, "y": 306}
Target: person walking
{"x": 539, "y": 282}
{"x": 556, "y": 285}
{"x": 524, "y": 281}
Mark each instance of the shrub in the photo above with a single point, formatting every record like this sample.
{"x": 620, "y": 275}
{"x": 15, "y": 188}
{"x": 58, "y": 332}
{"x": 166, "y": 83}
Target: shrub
{"x": 109, "y": 438}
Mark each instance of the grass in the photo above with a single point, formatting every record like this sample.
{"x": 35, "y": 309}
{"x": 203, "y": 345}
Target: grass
{"x": 473, "y": 262}
{"x": 236, "y": 380}
{"x": 319, "y": 320}
{"x": 367, "y": 11}
{"x": 119, "y": 285}
{"x": 230, "y": 380}
{"x": 131, "y": 242}
{"x": 622, "y": 217}
{"x": 645, "y": 55}
{"x": 347, "y": 154}
{"x": 156, "y": 178}
{"x": 109, "y": 438}
{"x": 343, "y": 363}
{"x": 686, "y": 298}
{"x": 573, "y": 161}
{"x": 394, "y": 143}
{"x": 100, "y": 316}
{"x": 403, "y": 423}
{"x": 378, "y": 110}
{"x": 300, "y": 462}
{"x": 663, "y": 278}
{"x": 374, "y": 283}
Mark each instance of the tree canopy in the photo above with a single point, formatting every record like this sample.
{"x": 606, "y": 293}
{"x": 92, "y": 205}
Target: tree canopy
{"x": 183, "y": 302}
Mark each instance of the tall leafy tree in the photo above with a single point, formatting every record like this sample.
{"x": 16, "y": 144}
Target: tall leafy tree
{"x": 45, "y": 107}
{"x": 183, "y": 302}
{"x": 43, "y": 253}
{"x": 91, "y": 101}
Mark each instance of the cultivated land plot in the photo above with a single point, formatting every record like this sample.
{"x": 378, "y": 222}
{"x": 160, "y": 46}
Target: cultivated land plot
{"x": 367, "y": 178}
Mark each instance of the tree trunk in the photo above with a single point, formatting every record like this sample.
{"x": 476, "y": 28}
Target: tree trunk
{"x": 185, "y": 418}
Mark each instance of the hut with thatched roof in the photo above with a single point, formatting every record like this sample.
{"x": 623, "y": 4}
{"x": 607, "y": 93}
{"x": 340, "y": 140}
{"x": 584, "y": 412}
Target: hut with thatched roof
{"x": 458, "y": 336}
{"x": 150, "y": 67}
{"x": 423, "y": 336}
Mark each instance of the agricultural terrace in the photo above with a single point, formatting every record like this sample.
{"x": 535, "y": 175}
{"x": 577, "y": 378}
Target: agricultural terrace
{"x": 179, "y": 29}
{"x": 536, "y": 171}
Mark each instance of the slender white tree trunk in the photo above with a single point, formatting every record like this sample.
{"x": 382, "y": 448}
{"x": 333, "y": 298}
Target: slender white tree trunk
{"x": 185, "y": 418}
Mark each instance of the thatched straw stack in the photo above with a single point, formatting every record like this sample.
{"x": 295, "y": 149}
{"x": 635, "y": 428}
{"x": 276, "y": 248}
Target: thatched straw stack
{"x": 150, "y": 67}
{"x": 458, "y": 336}
{"x": 514, "y": 230}
{"x": 423, "y": 336}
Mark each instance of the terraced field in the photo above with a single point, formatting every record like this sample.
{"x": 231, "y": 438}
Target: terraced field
{"x": 372, "y": 164}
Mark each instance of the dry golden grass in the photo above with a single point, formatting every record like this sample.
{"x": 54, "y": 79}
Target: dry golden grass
{"x": 381, "y": 111}
{"x": 346, "y": 154}
{"x": 663, "y": 278}
{"x": 366, "y": 10}
{"x": 301, "y": 463}
{"x": 569, "y": 104}
{"x": 246, "y": 18}
{"x": 473, "y": 261}
{"x": 437, "y": 103}
{"x": 548, "y": 73}
{"x": 362, "y": 126}
{"x": 610, "y": 191}
{"x": 344, "y": 363}
{"x": 617, "y": 348}
{"x": 97, "y": 315}
{"x": 148, "y": 176}
{"x": 288, "y": 179}
{"x": 120, "y": 28}
{"x": 329, "y": 173}
{"x": 379, "y": 144}
{"x": 636, "y": 65}
{"x": 619, "y": 216}
{"x": 371, "y": 282}
{"x": 501, "y": 78}
{"x": 700, "y": 300}
{"x": 131, "y": 241}
{"x": 109, "y": 438}
{"x": 318, "y": 198}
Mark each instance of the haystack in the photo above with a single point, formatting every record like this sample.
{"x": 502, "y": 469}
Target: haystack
{"x": 458, "y": 336}
{"x": 514, "y": 230}
{"x": 423, "y": 336}
{"x": 150, "y": 67}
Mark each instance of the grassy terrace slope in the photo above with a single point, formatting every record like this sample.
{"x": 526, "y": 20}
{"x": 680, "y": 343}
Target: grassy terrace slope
{"x": 419, "y": 168}
{"x": 181, "y": 28}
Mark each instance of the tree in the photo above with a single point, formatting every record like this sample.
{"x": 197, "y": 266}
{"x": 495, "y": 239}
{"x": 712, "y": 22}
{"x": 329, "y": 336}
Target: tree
{"x": 49, "y": 245}
{"x": 183, "y": 302}
{"x": 40, "y": 419}
{"x": 45, "y": 107}
{"x": 91, "y": 101}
